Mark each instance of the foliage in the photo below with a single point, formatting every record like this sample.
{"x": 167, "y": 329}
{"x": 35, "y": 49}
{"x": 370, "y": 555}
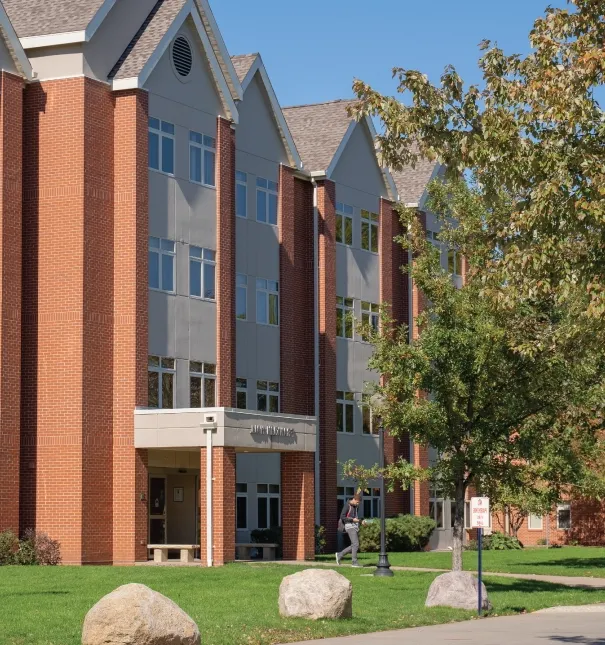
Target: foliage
{"x": 541, "y": 542}
{"x": 320, "y": 539}
{"x": 273, "y": 535}
{"x": 511, "y": 507}
{"x": 47, "y": 551}
{"x": 9, "y": 545}
{"x": 34, "y": 548}
{"x": 404, "y": 533}
{"x": 495, "y": 542}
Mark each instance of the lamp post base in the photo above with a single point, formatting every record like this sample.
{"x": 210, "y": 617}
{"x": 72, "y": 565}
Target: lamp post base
{"x": 383, "y": 569}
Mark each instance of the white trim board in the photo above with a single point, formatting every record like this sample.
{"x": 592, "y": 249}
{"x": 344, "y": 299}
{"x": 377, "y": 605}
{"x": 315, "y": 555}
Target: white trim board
{"x": 14, "y": 45}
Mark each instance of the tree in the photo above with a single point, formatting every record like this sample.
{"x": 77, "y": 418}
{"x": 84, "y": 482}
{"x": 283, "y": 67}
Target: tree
{"x": 531, "y": 140}
{"x": 500, "y": 420}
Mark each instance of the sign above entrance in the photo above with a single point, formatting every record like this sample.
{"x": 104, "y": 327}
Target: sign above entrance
{"x": 272, "y": 431}
{"x": 480, "y": 512}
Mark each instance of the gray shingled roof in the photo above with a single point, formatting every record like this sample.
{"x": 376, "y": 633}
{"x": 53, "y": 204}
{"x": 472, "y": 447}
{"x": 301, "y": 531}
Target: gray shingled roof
{"x": 147, "y": 39}
{"x": 242, "y": 64}
{"x": 317, "y": 131}
{"x": 411, "y": 182}
{"x": 40, "y": 17}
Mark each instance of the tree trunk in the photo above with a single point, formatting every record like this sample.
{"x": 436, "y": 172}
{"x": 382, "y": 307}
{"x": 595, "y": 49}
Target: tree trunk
{"x": 458, "y": 527}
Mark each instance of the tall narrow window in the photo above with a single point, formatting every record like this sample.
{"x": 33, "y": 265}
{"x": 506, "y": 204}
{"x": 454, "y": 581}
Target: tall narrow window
{"x": 371, "y": 503}
{"x": 437, "y": 506}
{"x": 344, "y": 317}
{"x": 369, "y": 231}
{"x": 241, "y": 194}
{"x": 161, "y": 145}
{"x": 267, "y": 396}
{"x": 202, "y": 273}
{"x": 344, "y": 224}
{"x": 202, "y": 384}
{"x": 454, "y": 262}
{"x": 202, "y": 158}
{"x": 241, "y": 296}
{"x": 345, "y": 407}
{"x": 161, "y": 264}
{"x": 241, "y": 506}
{"x": 370, "y": 315}
{"x": 161, "y": 375}
{"x": 563, "y": 517}
{"x": 367, "y": 420}
{"x": 267, "y": 302}
{"x": 268, "y": 505}
{"x": 266, "y": 201}
{"x": 534, "y": 522}
{"x": 241, "y": 393}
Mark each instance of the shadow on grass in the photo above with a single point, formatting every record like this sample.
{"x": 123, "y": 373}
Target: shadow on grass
{"x": 36, "y": 593}
{"x": 571, "y": 563}
{"x": 529, "y": 586}
{"x": 580, "y": 640}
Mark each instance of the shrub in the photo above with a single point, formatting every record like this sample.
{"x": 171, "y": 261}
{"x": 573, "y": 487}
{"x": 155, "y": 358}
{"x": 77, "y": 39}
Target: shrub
{"x": 495, "y": 542}
{"x": 320, "y": 539}
{"x": 34, "y": 548}
{"x": 404, "y": 533}
{"x": 47, "y": 551}
{"x": 9, "y": 545}
{"x": 269, "y": 536}
{"x": 541, "y": 542}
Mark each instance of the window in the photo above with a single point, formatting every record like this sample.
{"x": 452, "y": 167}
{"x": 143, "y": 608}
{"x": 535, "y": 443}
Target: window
{"x": 202, "y": 157}
{"x": 454, "y": 262}
{"x": 160, "y": 382}
{"x": 202, "y": 273}
{"x": 371, "y": 503}
{"x": 241, "y": 296}
{"x": 343, "y": 495}
{"x": 202, "y": 384}
{"x": 534, "y": 522}
{"x": 345, "y": 404}
{"x": 370, "y": 315}
{"x": 344, "y": 224}
{"x": 433, "y": 237}
{"x": 241, "y": 194}
{"x": 344, "y": 317}
{"x": 266, "y": 201}
{"x": 161, "y": 145}
{"x": 267, "y": 396}
{"x": 241, "y": 393}
{"x": 268, "y": 503}
{"x": 369, "y": 231}
{"x": 563, "y": 517}
{"x": 241, "y": 506}
{"x": 367, "y": 418}
{"x": 436, "y": 506}
{"x": 161, "y": 264}
{"x": 267, "y": 302}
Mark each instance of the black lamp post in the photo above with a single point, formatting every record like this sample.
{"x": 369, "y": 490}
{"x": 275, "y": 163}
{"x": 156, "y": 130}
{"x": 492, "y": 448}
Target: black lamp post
{"x": 384, "y": 567}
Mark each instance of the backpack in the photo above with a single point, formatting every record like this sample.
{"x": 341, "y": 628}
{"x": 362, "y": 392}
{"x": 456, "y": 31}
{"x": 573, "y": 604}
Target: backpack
{"x": 341, "y": 524}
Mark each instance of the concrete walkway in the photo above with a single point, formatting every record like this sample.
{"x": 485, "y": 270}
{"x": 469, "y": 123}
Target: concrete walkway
{"x": 572, "y": 626}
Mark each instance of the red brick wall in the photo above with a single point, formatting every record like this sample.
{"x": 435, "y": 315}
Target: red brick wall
{"x": 326, "y": 208}
{"x": 11, "y": 111}
{"x": 296, "y": 294}
{"x": 298, "y": 505}
{"x": 225, "y": 275}
{"x": 130, "y": 338}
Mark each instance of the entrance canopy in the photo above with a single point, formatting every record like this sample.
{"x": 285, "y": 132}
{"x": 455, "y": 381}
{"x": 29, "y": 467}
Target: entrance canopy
{"x": 244, "y": 430}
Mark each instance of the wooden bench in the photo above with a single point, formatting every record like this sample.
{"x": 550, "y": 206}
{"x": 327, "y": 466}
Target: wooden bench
{"x": 243, "y": 550}
{"x": 160, "y": 551}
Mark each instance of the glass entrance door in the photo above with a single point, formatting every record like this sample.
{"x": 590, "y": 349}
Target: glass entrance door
{"x": 157, "y": 510}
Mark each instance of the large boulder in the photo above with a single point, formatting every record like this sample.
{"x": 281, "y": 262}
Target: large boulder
{"x": 135, "y": 615}
{"x": 457, "y": 589}
{"x": 316, "y": 593}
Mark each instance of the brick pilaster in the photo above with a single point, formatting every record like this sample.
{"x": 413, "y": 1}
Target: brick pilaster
{"x": 225, "y": 255}
{"x": 296, "y": 294}
{"x": 130, "y": 480}
{"x": 11, "y": 111}
{"x": 326, "y": 210}
{"x": 297, "y": 497}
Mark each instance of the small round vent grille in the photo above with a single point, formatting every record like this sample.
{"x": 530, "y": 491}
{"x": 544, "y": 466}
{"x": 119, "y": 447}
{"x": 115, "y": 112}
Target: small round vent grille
{"x": 182, "y": 58}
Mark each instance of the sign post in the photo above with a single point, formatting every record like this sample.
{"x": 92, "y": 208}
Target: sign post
{"x": 479, "y": 521}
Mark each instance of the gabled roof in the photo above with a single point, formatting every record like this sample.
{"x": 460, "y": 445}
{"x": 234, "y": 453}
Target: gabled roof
{"x": 40, "y": 23}
{"x": 412, "y": 182}
{"x": 152, "y": 40}
{"x": 247, "y": 67}
{"x": 8, "y": 34}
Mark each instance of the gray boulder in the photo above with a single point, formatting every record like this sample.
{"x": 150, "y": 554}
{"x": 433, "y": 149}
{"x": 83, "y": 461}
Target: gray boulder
{"x": 316, "y": 593}
{"x": 457, "y": 589}
{"x": 135, "y": 615}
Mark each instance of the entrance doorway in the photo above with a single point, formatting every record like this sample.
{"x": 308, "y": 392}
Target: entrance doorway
{"x": 157, "y": 510}
{"x": 442, "y": 510}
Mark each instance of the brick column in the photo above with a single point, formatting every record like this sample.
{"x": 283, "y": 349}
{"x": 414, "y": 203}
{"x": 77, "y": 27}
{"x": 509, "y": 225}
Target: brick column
{"x": 297, "y": 499}
{"x": 131, "y": 216}
{"x": 11, "y": 132}
{"x": 225, "y": 256}
{"x": 297, "y": 304}
{"x": 326, "y": 209}
{"x": 223, "y": 505}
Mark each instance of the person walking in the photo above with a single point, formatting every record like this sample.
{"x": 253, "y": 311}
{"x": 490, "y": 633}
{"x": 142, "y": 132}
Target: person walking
{"x": 350, "y": 522}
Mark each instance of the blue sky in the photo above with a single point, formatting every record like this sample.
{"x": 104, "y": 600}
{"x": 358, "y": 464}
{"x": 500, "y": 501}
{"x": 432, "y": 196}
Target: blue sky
{"x": 314, "y": 49}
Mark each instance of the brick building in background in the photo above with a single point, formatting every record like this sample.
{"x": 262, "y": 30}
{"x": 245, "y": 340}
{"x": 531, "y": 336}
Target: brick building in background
{"x": 179, "y": 260}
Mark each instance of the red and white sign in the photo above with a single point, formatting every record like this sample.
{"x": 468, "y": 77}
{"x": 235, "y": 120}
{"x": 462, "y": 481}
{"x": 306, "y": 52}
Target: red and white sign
{"x": 480, "y": 512}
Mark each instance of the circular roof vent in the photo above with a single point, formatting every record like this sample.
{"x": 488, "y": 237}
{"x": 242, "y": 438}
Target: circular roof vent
{"x": 182, "y": 56}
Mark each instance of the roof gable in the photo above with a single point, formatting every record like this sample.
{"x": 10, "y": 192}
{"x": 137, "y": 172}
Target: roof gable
{"x": 412, "y": 182}
{"x": 13, "y": 46}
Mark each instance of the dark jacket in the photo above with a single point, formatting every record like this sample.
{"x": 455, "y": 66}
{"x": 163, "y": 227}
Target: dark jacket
{"x": 348, "y": 513}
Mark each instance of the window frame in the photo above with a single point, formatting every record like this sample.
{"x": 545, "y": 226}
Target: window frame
{"x": 372, "y": 221}
{"x": 270, "y": 293}
{"x": 454, "y": 262}
{"x": 241, "y": 283}
{"x": 344, "y": 317}
{"x": 373, "y": 497}
{"x": 161, "y": 135}
{"x": 244, "y": 495}
{"x": 205, "y": 144}
{"x": 203, "y": 376}
{"x": 529, "y": 522}
{"x": 161, "y": 370}
{"x": 270, "y": 189}
{"x": 343, "y": 212}
{"x": 365, "y": 408}
{"x": 269, "y": 394}
{"x": 203, "y": 263}
{"x": 241, "y": 385}
{"x": 560, "y": 507}
{"x": 345, "y": 400}
{"x": 162, "y": 252}
{"x": 268, "y": 495}
{"x": 370, "y": 313}
{"x": 241, "y": 179}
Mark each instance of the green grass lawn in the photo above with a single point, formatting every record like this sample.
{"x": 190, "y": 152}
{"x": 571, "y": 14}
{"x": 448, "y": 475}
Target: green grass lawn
{"x": 566, "y": 561}
{"x": 237, "y": 604}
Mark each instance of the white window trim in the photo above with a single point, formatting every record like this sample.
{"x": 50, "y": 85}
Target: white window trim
{"x": 456, "y": 254}
{"x": 268, "y": 392}
{"x": 535, "y": 528}
{"x": 242, "y": 389}
{"x": 161, "y": 134}
{"x": 240, "y": 181}
{"x": 561, "y": 507}
{"x": 372, "y": 498}
{"x": 347, "y": 311}
{"x": 203, "y": 376}
{"x": 373, "y": 431}
{"x": 158, "y": 369}
{"x": 344, "y": 403}
{"x": 373, "y": 224}
{"x": 202, "y": 147}
{"x": 267, "y": 191}
{"x": 340, "y": 210}
{"x": 245, "y": 288}
{"x": 372, "y": 315}
{"x": 160, "y": 251}
{"x": 269, "y": 293}
{"x": 268, "y": 496}
{"x": 204, "y": 263}
{"x": 247, "y": 498}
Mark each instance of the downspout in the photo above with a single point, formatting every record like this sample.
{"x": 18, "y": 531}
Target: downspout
{"x": 209, "y": 429}
{"x": 316, "y": 347}
{"x": 410, "y": 339}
